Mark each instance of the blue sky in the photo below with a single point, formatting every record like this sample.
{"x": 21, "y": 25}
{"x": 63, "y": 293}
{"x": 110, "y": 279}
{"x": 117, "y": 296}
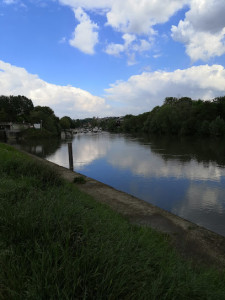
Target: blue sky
{"x": 86, "y": 58}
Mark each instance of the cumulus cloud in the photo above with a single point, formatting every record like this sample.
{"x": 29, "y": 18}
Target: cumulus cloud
{"x": 130, "y": 46}
{"x": 85, "y": 36}
{"x": 135, "y": 16}
{"x": 131, "y": 43}
{"x": 64, "y": 100}
{"x": 145, "y": 91}
{"x": 203, "y": 29}
{"x": 130, "y": 17}
{"x": 138, "y": 94}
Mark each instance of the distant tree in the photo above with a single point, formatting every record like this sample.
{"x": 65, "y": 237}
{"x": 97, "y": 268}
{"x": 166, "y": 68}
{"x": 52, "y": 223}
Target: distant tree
{"x": 204, "y": 128}
{"x": 3, "y": 116}
{"x": 76, "y": 123}
{"x": 182, "y": 116}
{"x": 46, "y": 116}
{"x": 94, "y": 122}
{"x": 170, "y": 101}
{"x": 217, "y": 127}
{"x": 66, "y": 122}
{"x": 220, "y": 103}
{"x": 112, "y": 125}
{"x": 208, "y": 111}
{"x": 188, "y": 127}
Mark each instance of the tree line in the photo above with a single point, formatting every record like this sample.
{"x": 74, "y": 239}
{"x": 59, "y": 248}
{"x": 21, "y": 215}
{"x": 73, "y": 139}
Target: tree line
{"x": 20, "y": 109}
{"x": 177, "y": 116}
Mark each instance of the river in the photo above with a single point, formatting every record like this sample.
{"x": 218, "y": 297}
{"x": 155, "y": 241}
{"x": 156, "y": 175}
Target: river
{"x": 183, "y": 176}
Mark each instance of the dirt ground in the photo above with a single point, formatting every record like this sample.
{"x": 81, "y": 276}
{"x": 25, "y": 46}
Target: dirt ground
{"x": 192, "y": 241}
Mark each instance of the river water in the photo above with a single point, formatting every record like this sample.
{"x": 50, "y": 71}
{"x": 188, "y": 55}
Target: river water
{"x": 183, "y": 176}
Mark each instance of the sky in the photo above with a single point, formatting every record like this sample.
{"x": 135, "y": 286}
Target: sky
{"x": 97, "y": 58}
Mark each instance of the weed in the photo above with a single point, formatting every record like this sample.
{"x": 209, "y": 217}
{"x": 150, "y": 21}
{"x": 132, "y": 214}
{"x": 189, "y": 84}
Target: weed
{"x": 79, "y": 180}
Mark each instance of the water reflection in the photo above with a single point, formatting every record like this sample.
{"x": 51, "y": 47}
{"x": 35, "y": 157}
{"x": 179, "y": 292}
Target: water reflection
{"x": 184, "y": 176}
{"x": 41, "y": 148}
{"x": 142, "y": 161}
{"x": 202, "y": 150}
{"x": 86, "y": 149}
{"x": 203, "y": 204}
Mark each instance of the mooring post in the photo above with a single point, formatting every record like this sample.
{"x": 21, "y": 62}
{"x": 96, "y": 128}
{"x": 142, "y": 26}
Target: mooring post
{"x": 70, "y": 152}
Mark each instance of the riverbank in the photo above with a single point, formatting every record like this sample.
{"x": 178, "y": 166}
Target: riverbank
{"x": 192, "y": 241}
{"x": 59, "y": 243}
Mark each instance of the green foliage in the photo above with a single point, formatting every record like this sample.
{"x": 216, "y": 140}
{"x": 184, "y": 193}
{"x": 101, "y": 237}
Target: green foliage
{"x": 15, "y": 108}
{"x": 204, "y": 128}
{"x": 32, "y": 133}
{"x": 182, "y": 116}
{"x": 112, "y": 125}
{"x": 217, "y": 127}
{"x": 45, "y": 115}
{"x": 66, "y": 122}
{"x": 3, "y": 115}
{"x": 21, "y": 109}
{"x": 58, "y": 243}
{"x": 76, "y": 123}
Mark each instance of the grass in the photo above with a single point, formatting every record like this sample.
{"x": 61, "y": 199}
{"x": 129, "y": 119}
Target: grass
{"x": 79, "y": 180}
{"x": 59, "y": 243}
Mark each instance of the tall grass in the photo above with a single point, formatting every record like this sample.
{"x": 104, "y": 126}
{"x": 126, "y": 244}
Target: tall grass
{"x": 58, "y": 243}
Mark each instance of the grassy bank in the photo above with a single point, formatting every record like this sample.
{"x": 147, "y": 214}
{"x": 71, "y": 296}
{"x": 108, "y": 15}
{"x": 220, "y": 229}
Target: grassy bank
{"x": 58, "y": 243}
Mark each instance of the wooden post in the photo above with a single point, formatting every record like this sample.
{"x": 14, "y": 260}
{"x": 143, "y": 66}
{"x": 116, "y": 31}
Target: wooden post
{"x": 70, "y": 152}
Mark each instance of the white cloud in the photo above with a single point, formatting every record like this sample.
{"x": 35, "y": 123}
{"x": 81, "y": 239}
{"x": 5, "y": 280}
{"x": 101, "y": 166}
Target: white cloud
{"x": 203, "y": 29}
{"x": 130, "y": 17}
{"x": 140, "y": 93}
{"x": 143, "y": 92}
{"x": 130, "y": 46}
{"x": 207, "y": 15}
{"x": 116, "y": 49}
{"x": 85, "y": 36}
{"x": 64, "y": 100}
{"x": 135, "y": 16}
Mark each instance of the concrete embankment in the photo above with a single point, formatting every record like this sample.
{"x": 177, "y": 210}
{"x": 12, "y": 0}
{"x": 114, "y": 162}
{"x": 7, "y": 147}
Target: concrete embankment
{"x": 191, "y": 240}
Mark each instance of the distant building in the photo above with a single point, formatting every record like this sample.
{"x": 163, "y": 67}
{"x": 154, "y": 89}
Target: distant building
{"x": 37, "y": 126}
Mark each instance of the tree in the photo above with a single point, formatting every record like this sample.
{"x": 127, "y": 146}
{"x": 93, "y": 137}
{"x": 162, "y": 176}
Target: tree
{"x": 17, "y": 108}
{"x": 66, "y": 122}
{"x": 46, "y": 116}
{"x": 220, "y": 102}
{"x": 217, "y": 127}
{"x": 170, "y": 101}
{"x": 3, "y": 116}
{"x": 188, "y": 127}
{"x": 204, "y": 128}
